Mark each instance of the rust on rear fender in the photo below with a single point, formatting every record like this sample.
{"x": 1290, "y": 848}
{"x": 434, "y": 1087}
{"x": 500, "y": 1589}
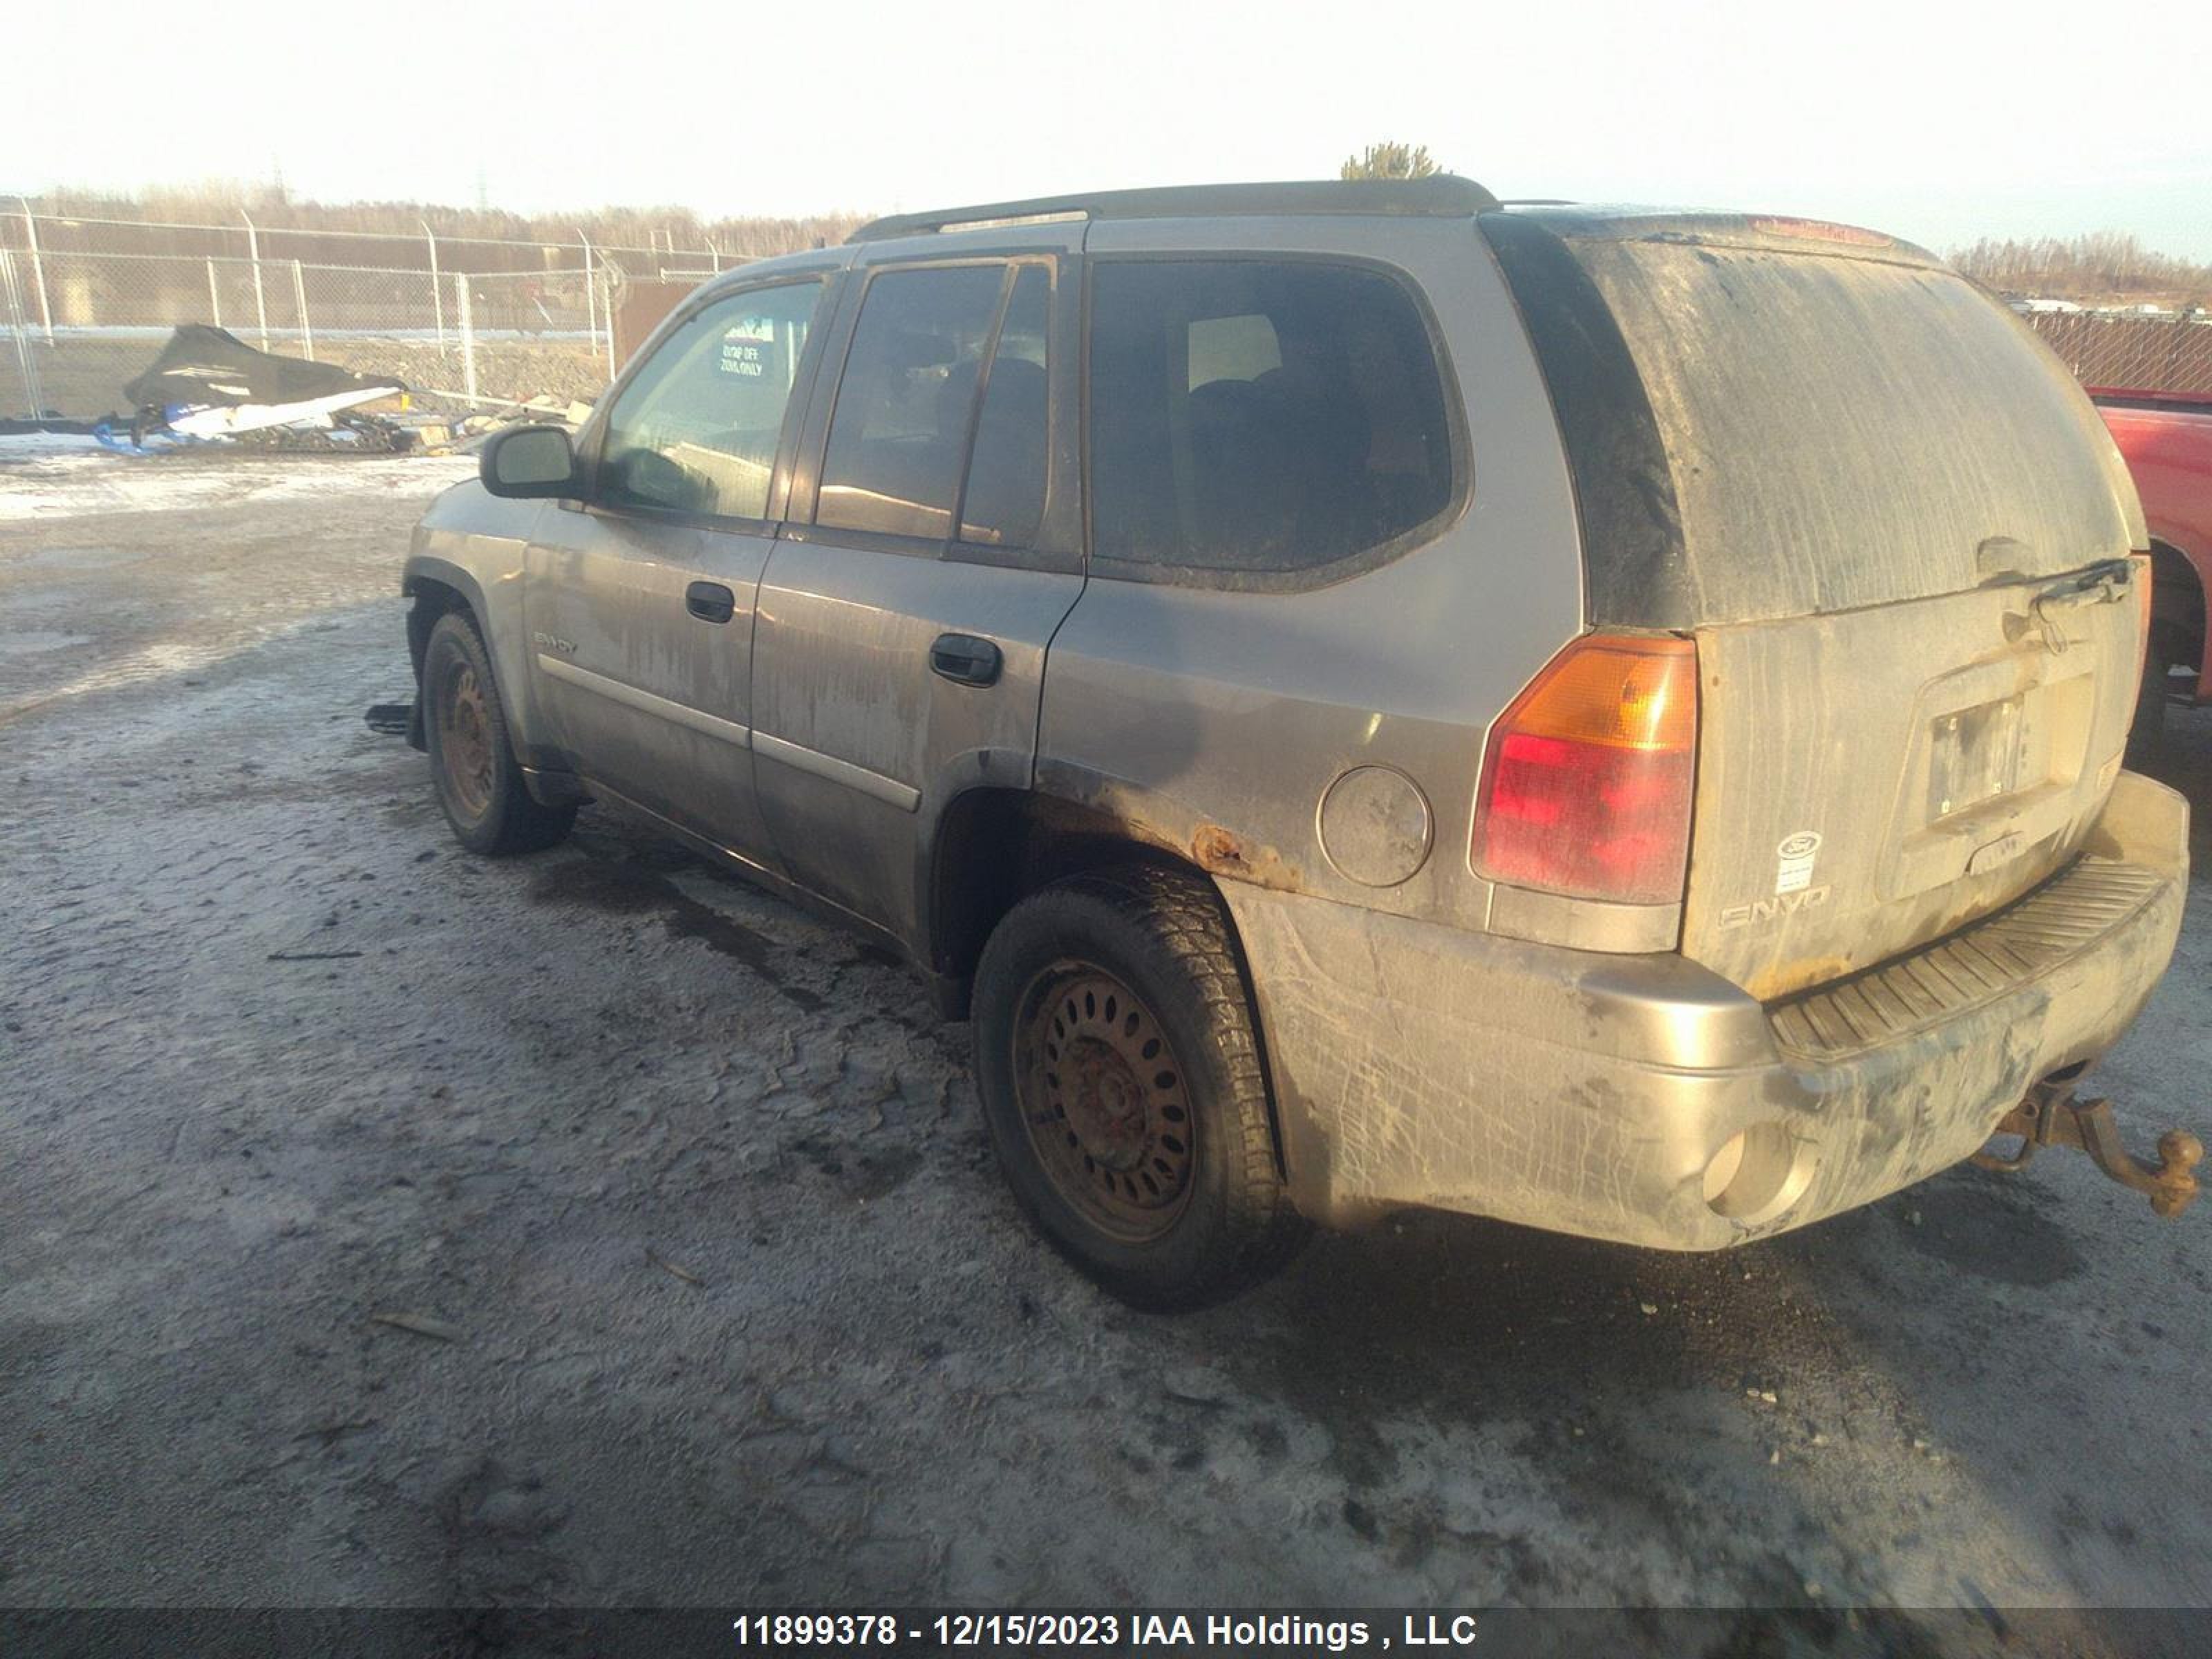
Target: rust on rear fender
{"x": 1224, "y": 853}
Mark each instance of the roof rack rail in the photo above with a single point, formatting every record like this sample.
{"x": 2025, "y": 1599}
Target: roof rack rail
{"x": 1439, "y": 196}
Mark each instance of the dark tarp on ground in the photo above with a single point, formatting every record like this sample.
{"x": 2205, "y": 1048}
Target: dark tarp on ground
{"x": 203, "y": 365}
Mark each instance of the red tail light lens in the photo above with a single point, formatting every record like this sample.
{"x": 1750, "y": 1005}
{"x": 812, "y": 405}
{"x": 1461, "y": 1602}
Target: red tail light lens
{"x": 1587, "y": 782}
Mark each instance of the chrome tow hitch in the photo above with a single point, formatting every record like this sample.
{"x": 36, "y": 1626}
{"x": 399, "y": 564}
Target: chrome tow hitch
{"x": 2051, "y": 1116}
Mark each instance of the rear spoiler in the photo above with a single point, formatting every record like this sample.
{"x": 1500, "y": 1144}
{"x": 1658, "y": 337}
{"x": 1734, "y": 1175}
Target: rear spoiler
{"x": 1772, "y": 232}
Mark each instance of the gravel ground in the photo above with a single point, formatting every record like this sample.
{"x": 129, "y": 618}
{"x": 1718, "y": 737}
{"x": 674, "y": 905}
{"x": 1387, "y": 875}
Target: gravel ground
{"x": 382, "y": 1225}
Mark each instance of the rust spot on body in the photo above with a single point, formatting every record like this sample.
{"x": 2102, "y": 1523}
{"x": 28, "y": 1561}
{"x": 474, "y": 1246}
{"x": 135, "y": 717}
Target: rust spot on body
{"x": 1807, "y": 973}
{"x": 1222, "y": 852}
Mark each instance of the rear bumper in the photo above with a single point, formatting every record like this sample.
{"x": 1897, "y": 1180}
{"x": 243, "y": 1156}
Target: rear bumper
{"x": 1419, "y": 1064}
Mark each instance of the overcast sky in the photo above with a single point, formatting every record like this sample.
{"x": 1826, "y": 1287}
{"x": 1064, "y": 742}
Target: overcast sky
{"x": 1937, "y": 121}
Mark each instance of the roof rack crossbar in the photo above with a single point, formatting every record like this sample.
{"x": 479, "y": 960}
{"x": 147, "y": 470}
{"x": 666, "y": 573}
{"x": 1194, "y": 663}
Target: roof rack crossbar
{"x": 1440, "y": 196}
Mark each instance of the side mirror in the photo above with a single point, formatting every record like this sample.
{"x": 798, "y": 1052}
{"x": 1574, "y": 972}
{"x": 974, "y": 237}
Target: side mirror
{"x": 530, "y": 463}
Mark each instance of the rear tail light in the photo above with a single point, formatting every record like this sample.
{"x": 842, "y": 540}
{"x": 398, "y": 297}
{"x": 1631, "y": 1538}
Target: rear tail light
{"x": 1586, "y": 784}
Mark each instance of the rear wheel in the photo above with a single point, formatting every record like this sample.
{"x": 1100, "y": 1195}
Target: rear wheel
{"x": 1122, "y": 1088}
{"x": 471, "y": 761}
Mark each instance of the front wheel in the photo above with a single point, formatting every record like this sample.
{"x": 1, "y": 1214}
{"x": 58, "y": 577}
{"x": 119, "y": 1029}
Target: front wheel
{"x": 471, "y": 761}
{"x": 1122, "y": 1088}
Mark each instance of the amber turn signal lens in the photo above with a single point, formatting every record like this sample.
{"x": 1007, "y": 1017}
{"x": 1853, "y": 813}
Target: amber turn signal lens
{"x": 1623, "y": 692}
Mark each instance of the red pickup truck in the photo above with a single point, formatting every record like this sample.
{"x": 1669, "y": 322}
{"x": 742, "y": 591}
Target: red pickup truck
{"x": 2167, "y": 441}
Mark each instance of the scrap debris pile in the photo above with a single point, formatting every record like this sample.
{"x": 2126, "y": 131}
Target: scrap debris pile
{"x": 209, "y": 387}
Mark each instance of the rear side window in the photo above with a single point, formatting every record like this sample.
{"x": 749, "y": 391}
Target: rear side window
{"x": 900, "y": 433}
{"x": 1259, "y": 417}
{"x": 1004, "y": 496}
{"x": 696, "y": 430}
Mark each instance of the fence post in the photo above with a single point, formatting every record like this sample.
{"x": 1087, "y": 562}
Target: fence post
{"x": 260, "y": 299}
{"x": 467, "y": 326}
{"x": 26, "y": 357}
{"x": 299, "y": 304}
{"x": 611, "y": 330}
{"x": 215, "y": 296}
{"x": 590, "y": 317}
{"x": 37, "y": 269}
{"x": 437, "y": 294}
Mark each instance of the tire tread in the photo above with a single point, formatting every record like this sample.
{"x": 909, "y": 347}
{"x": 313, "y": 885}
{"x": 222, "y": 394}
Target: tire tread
{"x": 1185, "y": 918}
{"x": 523, "y": 823}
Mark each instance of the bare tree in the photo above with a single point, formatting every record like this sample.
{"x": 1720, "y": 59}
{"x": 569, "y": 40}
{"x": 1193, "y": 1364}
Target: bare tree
{"x": 1391, "y": 159}
{"x": 2099, "y": 266}
{"x": 217, "y": 202}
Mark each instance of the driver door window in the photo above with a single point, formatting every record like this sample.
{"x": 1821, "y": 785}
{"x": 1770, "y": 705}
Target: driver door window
{"x": 696, "y": 431}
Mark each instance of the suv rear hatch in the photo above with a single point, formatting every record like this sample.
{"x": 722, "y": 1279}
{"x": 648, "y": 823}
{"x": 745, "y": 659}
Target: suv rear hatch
{"x": 1899, "y": 535}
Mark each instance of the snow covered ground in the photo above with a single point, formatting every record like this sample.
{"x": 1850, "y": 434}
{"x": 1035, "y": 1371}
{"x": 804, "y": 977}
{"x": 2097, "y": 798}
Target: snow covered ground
{"x": 65, "y": 474}
{"x": 726, "y": 1304}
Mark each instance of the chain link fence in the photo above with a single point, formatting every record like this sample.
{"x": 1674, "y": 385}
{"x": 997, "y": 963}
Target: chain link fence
{"x": 86, "y": 324}
{"x": 85, "y": 305}
{"x": 2172, "y": 354}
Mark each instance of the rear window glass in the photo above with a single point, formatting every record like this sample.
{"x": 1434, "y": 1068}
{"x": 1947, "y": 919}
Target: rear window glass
{"x": 1004, "y": 496}
{"x": 1848, "y": 431}
{"x": 1251, "y": 416}
{"x": 901, "y": 429}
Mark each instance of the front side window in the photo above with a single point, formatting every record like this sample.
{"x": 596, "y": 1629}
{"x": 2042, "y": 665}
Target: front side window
{"x": 696, "y": 430}
{"x": 900, "y": 433}
{"x": 1251, "y": 416}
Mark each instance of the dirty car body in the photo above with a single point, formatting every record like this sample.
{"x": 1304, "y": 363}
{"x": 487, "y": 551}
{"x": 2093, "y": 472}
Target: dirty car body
{"x": 1644, "y": 692}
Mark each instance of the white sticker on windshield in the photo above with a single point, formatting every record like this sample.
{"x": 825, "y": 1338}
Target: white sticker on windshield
{"x": 1794, "y": 871}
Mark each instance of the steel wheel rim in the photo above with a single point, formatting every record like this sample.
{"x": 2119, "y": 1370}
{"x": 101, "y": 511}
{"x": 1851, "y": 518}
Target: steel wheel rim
{"x": 465, "y": 749}
{"x": 1104, "y": 1101}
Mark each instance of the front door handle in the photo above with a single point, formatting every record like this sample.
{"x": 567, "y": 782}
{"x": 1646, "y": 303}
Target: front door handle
{"x": 965, "y": 659}
{"x": 710, "y": 602}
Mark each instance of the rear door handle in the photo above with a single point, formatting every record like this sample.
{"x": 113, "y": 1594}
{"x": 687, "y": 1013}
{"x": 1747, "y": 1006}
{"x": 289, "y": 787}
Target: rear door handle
{"x": 965, "y": 659}
{"x": 710, "y": 602}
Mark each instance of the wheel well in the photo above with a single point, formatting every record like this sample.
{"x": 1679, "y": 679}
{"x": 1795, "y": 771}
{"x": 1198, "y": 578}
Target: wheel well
{"x": 2176, "y": 606}
{"x": 432, "y": 599}
{"x": 994, "y": 848}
